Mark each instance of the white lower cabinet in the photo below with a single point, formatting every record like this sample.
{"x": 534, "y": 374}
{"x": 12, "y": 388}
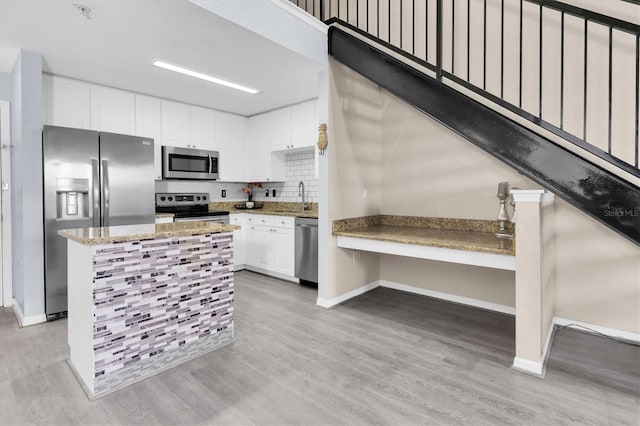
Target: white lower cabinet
{"x": 284, "y": 252}
{"x": 238, "y": 240}
{"x": 270, "y": 244}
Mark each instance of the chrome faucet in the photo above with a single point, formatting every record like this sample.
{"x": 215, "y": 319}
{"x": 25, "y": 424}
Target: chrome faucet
{"x": 301, "y": 194}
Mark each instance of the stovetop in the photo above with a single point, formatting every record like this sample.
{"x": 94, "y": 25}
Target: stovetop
{"x": 186, "y": 204}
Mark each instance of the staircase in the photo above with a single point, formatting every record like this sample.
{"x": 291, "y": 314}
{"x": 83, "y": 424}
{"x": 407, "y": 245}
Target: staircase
{"x": 550, "y": 89}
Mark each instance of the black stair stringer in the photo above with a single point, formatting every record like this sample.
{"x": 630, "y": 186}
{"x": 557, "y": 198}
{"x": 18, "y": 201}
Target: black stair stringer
{"x": 603, "y": 195}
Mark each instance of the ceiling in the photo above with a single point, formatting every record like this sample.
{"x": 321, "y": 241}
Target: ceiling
{"x": 115, "y": 48}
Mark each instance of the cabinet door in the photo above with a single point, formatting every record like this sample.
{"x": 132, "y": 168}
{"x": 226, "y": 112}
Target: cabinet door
{"x": 238, "y": 240}
{"x": 231, "y": 141}
{"x": 202, "y": 128}
{"x": 284, "y": 251}
{"x": 280, "y": 132}
{"x": 66, "y": 102}
{"x": 258, "y": 149}
{"x": 263, "y": 242}
{"x": 258, "y": 246}
{"x": 250, "y": 252}
{"x": 175, "y": 124}
{"x": 149, "y": 124}
{"x": 304, "y": 125}
{"x": 113, "y": 110}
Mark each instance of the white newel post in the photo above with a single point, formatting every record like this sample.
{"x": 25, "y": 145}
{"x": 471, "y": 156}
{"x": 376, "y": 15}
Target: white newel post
{"x": 534, "y": 279}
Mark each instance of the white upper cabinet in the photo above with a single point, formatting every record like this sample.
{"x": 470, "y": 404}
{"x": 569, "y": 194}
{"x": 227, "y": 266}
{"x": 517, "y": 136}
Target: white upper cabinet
{"x": 258, "y": 149}
{"x": 280, "y": 132}
{"x": 231, "y": 141}
{"x": 67, "y": 103}
{"x": 304, "y": 125}
{"x": 294, "y": 127}
{"x": 149, "y": 124}
{"x": 202, "y": 128}
{"x": 176, "y": 126}
{"x": 112, "y": 110}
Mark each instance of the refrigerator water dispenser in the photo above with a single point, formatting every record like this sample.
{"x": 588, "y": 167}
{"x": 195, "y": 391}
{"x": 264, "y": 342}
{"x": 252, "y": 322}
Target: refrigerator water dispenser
{"x": 72, "y": 198}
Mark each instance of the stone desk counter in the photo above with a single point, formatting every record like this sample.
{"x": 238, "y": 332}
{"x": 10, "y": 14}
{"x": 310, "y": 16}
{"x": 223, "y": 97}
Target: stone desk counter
{"x": 464, "y": 241}
{"x": 144, "y": 298}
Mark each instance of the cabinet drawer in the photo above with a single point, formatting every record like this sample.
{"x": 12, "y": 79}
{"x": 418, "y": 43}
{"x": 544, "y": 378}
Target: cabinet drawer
{"x": 258, "y": 219}
{"x": 285, "y": 222}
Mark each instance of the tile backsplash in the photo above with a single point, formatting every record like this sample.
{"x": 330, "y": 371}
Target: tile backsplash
{"x": 299, "y": 166}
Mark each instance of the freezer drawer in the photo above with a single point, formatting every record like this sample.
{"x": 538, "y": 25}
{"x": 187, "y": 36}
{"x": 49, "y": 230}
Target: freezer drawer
{"x": 306, "y": 254}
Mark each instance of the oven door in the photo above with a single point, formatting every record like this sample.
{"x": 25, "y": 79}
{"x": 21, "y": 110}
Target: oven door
{"x": 185, "y": 163}
{"x": 216, "y": 219}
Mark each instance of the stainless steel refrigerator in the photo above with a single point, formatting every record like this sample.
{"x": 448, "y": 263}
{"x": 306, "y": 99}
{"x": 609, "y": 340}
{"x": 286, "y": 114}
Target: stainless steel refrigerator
{"x": 91, "y": 179}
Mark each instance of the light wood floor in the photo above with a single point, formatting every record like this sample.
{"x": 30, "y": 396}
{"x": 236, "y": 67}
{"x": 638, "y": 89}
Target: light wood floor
{"x": 386, "y": 357}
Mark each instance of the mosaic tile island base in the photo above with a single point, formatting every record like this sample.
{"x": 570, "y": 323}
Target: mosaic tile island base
{"x": 137, "y": 306}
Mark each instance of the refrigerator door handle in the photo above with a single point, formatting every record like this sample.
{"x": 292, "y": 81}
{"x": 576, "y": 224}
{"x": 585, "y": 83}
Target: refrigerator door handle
{"x": 95, "y": 177}
{"x": 105, "y": 192}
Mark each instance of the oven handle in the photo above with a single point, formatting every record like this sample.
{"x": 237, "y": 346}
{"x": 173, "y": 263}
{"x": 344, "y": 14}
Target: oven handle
{"x": 219, "y": 219}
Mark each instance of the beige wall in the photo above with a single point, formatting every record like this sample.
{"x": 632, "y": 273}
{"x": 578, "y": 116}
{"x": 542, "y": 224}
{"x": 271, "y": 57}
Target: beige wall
{"x": 597, "y": 272}
{"x": 354, "y": 166}
{"x": 547, "y": 265}
{"x": 486, "y": 284}
{"x": 427, "y": 170}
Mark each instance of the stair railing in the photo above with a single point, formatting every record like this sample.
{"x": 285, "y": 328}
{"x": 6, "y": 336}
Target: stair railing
{"x": 573, "y": 72}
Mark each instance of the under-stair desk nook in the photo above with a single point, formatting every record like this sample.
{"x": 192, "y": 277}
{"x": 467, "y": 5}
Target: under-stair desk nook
{"x": 422, "y": 129}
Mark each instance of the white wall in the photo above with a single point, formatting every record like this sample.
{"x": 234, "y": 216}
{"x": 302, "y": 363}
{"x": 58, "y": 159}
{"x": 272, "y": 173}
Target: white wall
{"x": 286, "y": 25}
{"x": 6, "y": 87}
{"x": 26, "y": 177}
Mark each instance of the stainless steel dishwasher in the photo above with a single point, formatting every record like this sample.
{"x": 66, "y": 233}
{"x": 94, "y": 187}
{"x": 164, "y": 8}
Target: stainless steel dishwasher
{"x": 306, "y": 268}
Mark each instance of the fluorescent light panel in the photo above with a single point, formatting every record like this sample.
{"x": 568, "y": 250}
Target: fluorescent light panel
{"x": 176, "y": 68}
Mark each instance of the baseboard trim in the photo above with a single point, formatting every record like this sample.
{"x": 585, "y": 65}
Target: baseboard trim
{"x": 534, "y": 368}
{"x": 450, "y": 297}
{"x": 328, "y": 303}
{"x": 24, "y": 321}
{"x": 271, "y": 274}
{"x": 537, "y": 368}
{"x": 583, "y": 326}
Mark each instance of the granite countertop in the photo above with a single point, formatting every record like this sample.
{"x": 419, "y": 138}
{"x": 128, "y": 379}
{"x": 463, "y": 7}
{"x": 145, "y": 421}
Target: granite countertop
{"x": 458, "y": 234}
{"x": 298, "y": 213}
{"x": 158, "y": 215}
{"x": 273, "y": 208}
{"x": 146, "y": 231}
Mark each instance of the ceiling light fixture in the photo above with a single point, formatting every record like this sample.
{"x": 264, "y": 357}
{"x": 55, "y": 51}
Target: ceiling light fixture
{"x": 191, "y": 73}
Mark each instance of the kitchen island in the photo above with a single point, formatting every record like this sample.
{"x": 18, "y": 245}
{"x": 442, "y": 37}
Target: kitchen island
{"x": 144, "y": 298}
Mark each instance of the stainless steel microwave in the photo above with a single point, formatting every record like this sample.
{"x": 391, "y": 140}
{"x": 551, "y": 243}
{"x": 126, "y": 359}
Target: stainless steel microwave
{"x": 187, "y": 163}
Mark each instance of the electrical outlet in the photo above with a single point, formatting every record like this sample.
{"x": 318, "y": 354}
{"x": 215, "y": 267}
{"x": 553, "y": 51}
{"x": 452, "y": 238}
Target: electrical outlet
{"x": 273, "y": 192}
{"x": 223, "y": 193}
{"x": 266, "y": 193}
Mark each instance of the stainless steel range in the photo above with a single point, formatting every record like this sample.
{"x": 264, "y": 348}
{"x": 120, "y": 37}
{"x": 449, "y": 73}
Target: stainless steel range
{"x": 189, "y": 207}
